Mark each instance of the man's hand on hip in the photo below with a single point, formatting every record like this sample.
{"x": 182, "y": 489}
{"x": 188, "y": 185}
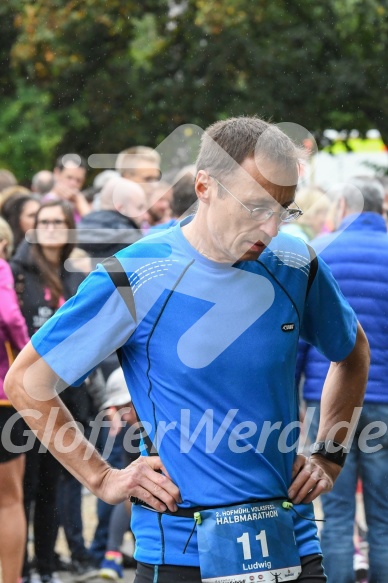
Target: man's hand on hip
{"x": 147, "y": 479}
{"x": 311, "y": 477}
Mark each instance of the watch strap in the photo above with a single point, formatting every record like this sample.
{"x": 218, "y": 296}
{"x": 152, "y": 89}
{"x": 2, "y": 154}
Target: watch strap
{"x": 331, "y": 450}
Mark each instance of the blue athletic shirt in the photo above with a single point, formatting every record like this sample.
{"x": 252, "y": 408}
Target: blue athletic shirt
{"x": 210, "y": 363}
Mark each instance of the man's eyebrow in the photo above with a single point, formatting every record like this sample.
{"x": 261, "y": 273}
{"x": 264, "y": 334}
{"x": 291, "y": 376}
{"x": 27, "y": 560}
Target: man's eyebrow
{"x": 267, "y": 200}
{"x": 287, "y": 204}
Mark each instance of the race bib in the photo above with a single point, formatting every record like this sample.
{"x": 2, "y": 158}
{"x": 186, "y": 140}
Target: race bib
{"x": 248, "y": 542}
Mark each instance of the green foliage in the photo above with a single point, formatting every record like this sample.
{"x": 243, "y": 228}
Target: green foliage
{"x": 101, "y": 75}
{"x": 29, "y": 132}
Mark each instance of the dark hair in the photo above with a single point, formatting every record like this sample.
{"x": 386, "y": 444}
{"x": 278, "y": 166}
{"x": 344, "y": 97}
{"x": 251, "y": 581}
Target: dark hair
{"x": 49, "y": 276}
{"x": 184, "y": 195}
{"x": 237, "y": 139}
{"x": 75, "y": 159}
{"x": 12, "y": 210}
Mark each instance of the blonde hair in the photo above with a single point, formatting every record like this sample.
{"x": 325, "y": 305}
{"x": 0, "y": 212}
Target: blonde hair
{"x": 307, "y": 198}
{"x": 127, "y": 159}
{"x": 6, "y": 234}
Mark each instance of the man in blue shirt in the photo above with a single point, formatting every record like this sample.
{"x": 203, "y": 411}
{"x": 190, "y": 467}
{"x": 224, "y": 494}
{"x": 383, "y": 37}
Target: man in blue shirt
{"x": 208, "y": 333}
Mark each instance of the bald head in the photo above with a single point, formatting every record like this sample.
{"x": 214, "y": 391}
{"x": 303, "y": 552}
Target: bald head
{"x": 42, "y": 182}
{"x": 124, "y": 196}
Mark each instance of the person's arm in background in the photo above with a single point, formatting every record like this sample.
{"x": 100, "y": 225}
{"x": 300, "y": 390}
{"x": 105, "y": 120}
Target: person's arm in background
{"x": 10, "y": 314}
{"x": 342, "y": 393}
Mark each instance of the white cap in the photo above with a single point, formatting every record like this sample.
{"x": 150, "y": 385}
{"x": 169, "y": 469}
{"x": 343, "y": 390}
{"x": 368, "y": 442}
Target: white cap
{"x": 117, "y": 393}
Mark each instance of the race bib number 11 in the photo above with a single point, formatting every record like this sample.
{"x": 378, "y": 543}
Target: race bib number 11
{"x": 247, "y": 542}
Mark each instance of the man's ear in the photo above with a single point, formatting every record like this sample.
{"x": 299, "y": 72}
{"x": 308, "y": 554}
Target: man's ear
{"x": 202, "y": 186}
{"x": 57, "y": 172}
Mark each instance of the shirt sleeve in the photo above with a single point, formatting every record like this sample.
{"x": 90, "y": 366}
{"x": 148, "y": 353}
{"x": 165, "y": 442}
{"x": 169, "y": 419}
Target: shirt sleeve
{"x": 329, "y": 323}
{"x": 86, "y": 329}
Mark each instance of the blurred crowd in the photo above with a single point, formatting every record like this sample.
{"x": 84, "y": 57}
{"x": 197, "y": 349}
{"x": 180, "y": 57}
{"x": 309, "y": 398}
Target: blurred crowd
{"x": 51, "y": 235}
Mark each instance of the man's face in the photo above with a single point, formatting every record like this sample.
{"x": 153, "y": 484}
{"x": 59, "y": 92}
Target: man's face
{"x": 234, "y": 234}
{"x": 72, "y": 177}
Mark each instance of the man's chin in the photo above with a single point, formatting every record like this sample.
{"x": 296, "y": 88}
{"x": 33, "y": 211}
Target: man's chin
{"x": 252, "y": 253}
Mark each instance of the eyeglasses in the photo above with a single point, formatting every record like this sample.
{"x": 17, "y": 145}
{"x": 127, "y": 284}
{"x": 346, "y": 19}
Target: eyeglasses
{"x": 263, "y": 214}
{"x": 56, "y": 223}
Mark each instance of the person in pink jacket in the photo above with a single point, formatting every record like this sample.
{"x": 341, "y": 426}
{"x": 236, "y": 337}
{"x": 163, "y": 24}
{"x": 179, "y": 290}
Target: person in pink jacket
{"x": 13, "y": 337}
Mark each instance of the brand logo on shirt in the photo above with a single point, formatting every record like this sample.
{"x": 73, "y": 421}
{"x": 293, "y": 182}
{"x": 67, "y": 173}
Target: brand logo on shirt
{"x": 289, "y": 327}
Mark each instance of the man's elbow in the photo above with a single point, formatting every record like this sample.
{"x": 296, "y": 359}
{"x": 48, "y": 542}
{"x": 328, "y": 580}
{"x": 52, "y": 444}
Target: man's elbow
{"x": 14, "y": 383}
{"x": 362, "y": 348}
{"x": 358, "y": 362}
{"x": 10, "y": 383}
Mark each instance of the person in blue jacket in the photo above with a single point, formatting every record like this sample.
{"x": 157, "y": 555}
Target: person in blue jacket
{"x": 206, "y": 317}
{"x": 357, "y": 254}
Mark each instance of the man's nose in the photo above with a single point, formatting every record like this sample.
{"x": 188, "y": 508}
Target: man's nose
{"x": 271, "y": 226}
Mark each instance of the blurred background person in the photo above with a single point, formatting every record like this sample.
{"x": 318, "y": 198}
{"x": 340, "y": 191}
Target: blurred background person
{"x": 184, "y": 198}
{"x": 42, "y": 182}
{"x": 6, "y": 179}
{"x": 139, "y": 164}
{"x": 92, "y": 193}
{"x": 116, "y": 224}
{"x": 12, "y": 192}
{"x": 43, "y": 284}
{"x": 384, "y": 182}
{"x": 159, "y": 199}
{"x": 13, "y": 337}
{"x": 20, "y": 213}
{"x": 315, "y": 205}
{"x": 356, "y": 253}
{"x": 103, "y": 177}
{"x": 69, "y": 178}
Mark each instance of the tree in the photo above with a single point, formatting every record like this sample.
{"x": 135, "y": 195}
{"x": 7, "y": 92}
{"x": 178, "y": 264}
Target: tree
{"x": 101, "y": 75}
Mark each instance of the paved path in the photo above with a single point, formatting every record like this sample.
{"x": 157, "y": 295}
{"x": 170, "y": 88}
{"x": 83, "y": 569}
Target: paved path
{"x": 89, "y": 520}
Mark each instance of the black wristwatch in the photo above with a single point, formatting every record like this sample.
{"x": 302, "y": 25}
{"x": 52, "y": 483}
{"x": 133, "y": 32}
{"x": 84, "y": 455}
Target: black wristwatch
{"x": 331, "y": 450}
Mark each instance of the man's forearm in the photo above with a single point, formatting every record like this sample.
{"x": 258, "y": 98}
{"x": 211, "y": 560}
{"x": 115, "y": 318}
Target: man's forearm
{"x": 31, "y": 391}
{"x": 343, "y": 393}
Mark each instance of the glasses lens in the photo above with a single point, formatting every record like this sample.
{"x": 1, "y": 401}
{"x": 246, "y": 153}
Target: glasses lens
{"x": 290, "y": 215}
{"x": 54, "y": 222}
{"x": 261, "y": 214}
